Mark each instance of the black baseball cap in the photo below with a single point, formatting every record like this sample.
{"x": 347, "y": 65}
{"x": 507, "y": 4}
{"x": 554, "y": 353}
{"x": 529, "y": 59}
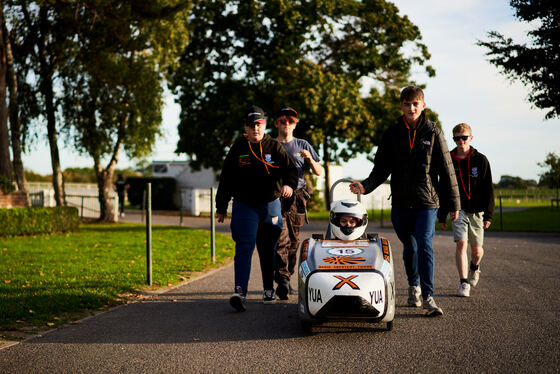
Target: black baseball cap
{"x": 254, "y": 114}
{"x": 287, "y": 111}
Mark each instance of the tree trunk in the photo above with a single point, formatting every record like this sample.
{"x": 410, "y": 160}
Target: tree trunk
{"x": 5, "y": 164}
{"x": 47, "y": 91}
{"x": 105, "y": 185}
{"x": 105, "y": 177}
{"x": 327, "y": 163}
{"x": 15, "y": 125}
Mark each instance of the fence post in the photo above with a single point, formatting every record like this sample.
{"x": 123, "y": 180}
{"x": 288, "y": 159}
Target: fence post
{"x": 82, "y": 213}
{"x": 501, "y": 216}
{"x": 149, "y": 233}
{"x": 212, "y": 227}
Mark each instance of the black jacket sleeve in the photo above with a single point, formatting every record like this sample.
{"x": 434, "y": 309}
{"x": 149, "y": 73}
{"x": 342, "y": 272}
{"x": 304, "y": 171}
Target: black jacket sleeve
{"x": 289, "y": 170}
{"x": 227, "y": 175}
{"x": 488, "y": 189}
{"x": 450, "y": 200}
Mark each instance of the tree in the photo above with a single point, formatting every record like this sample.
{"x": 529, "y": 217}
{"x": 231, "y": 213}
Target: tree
{"x": 551, "y": 177}
{"x": 5, "y": 163}
{"x": 314, "y": 56}
{"x": 13, "y": 110}
{"x": 112, "y": 79}
{"x": 535, "y": 64}
{"x": 39, "y": 45}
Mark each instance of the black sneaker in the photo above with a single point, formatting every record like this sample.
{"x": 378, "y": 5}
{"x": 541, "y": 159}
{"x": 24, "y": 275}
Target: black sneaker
{"x": 268, "y": 297}
{"x": 283, "y": 289}
{"x": 237, "y": 300}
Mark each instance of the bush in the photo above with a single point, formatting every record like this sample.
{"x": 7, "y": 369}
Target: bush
{"x": 31, "y": 221}
{"x": 163, "y": 190}
{"x": 6, "y": 185}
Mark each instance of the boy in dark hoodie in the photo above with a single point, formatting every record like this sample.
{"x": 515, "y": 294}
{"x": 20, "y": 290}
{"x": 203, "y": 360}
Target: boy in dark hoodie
{"x": 477, "y": 206}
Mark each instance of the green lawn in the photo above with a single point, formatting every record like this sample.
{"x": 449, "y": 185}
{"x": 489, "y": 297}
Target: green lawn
{"x": 48, "y": 280}
{"x": 531, "y": 219}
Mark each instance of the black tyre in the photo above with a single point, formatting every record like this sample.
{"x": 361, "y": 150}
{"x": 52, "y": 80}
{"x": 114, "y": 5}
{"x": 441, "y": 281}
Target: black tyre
{"x": 307, "y": 327}
{"x": 389, "y": 325}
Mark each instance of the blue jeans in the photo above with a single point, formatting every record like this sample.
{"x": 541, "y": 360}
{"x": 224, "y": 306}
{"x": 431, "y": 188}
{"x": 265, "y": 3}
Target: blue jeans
{"x": 260, "y": 225}
{"x": 415, "y": 228}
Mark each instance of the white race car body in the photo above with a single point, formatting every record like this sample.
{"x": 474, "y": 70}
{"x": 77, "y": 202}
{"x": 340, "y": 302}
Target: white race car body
{"x": 346, "y": 280}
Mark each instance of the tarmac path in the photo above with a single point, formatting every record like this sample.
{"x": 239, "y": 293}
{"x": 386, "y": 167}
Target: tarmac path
{"x": 510, "y": 324}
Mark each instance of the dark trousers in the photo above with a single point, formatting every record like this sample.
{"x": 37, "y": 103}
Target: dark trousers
{"x": 293, "y": 214}
{"x": 250, "y": 225}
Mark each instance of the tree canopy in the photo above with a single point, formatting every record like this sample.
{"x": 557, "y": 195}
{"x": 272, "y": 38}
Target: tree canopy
{"x": 551, "y": 176}
{"x": 536, "y": 64}
{"x": 317, "y": 56}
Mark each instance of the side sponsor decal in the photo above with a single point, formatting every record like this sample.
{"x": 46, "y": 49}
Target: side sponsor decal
{"x": 345, "y": 251}
{"x": 376, "y": 297}
{"x": 385, "y": 245}
{"x": 344, "y": 260}
{"x": 344, "y": 281}
{"x": 304, "y": 269}
{"x": 315, "y": 295}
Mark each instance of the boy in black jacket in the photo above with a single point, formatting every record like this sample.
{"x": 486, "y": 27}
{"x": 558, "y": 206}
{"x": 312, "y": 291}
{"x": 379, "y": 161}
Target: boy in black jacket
{"x": 477, "y": 206}
{"x": 414, "y": 153}
{"x": 256, "y": 172}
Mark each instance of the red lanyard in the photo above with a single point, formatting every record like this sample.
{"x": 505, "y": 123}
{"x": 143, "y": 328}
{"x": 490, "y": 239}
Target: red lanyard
{"x": 454, "y": 155}
{"x": 410, "y": 142}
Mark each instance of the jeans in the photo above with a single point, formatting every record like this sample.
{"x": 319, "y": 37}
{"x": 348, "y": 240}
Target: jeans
{"x": 260, "y": 225}
{"x": 415, "y": 228}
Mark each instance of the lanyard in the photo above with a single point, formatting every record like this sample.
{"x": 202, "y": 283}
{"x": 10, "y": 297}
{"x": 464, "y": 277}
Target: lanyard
{"x": 261, "y": 159}
{"x": 454, "y": 155}
{"x": 410, "y": 142}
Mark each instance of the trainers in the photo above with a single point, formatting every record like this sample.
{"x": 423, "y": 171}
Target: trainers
{"x": 283, "y": 289}
{"x": 474, "y": 276}
{"x": 414, "y": 296}
{"x": 237, "y": 300}
{"x": 464, "y": 290}
{"x": 431, "y": 308}
{"x": 268, "y": 297}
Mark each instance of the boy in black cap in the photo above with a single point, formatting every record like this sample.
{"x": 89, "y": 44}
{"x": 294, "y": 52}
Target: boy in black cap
{"x": 294, "y": 207}
{"x": 257, "y": 171}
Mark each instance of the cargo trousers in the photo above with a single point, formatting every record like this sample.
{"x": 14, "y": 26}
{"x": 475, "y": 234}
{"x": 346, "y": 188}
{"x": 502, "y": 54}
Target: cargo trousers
{"x": 294, "y": 216}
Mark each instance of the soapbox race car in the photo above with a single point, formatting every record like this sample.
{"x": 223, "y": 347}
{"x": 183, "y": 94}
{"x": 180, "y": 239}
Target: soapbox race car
{"x": 346, "y": 275}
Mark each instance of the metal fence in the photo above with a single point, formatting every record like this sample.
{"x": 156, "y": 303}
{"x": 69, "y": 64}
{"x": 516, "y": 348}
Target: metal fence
{"x": 87, "y": 203}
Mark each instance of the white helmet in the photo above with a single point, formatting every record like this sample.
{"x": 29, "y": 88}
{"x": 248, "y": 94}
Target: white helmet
{"x": 350, "y": 208}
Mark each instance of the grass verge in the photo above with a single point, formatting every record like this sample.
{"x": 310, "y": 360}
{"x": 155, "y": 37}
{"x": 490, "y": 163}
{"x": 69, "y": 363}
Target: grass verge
{"x": 534, "y": 219}
{"x": 50, "y": 280}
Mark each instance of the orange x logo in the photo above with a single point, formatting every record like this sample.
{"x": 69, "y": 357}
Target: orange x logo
{"x": 344, "y": 281}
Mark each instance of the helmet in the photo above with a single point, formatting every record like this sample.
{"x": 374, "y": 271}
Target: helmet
{"x": 350, "y": 208}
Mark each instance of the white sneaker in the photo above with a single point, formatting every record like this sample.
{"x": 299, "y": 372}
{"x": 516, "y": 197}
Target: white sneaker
{"x": 414, "y": 293}
{"x": 474, "y": 276}
{"x": 464, "y": 290}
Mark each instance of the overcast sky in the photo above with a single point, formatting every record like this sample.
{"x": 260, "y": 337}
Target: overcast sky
{"x": 513, "y": 135}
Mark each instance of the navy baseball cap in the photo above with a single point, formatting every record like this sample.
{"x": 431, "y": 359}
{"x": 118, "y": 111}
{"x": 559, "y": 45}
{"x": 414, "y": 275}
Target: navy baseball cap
{"x": 254, "y": 114}
{"x": 287, "y": 111}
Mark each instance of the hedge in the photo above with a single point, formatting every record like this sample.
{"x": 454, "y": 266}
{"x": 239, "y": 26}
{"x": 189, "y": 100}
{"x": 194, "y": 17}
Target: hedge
{"x": 37, "y": 220}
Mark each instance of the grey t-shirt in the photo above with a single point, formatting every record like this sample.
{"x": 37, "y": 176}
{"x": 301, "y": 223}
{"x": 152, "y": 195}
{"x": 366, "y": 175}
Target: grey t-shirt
{"x": 293, "y": 148}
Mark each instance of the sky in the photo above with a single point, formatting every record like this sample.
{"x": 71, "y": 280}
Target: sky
{"x": 512, "y": 134}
